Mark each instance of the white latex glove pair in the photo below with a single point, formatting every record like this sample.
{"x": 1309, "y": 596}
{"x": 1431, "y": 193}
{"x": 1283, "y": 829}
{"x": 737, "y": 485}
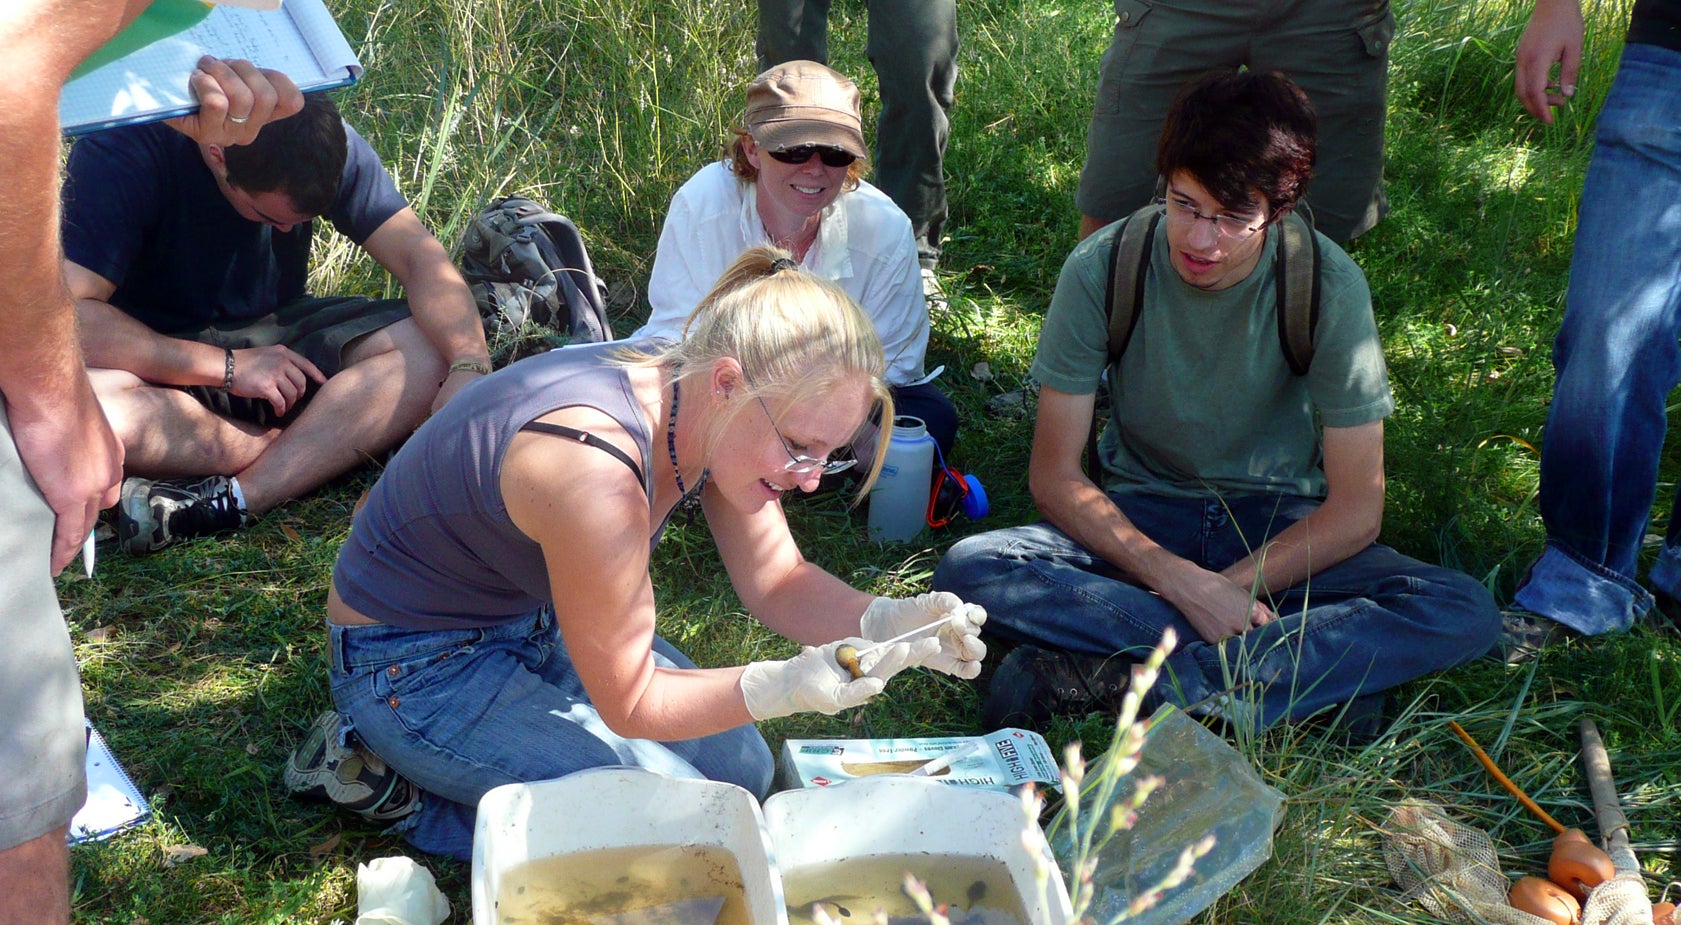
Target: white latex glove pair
{"x": 813, "y": 680}
{"x": 961, "y": 649}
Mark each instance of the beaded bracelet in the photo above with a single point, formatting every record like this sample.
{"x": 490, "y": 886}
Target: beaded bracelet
{"x": 477, "y": 366}
{"x": 227, "y": 375}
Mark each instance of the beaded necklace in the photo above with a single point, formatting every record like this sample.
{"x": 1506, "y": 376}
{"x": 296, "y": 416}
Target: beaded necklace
{"x": 671, "y": 449}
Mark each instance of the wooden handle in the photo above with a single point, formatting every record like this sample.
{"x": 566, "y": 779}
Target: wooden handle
{"x": 1607, "y": 808}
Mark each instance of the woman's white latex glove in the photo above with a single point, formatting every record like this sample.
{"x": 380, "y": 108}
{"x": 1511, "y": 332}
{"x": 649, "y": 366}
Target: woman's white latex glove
{"x": 813, "y": 680}
{"x": 961, "y": 649}
{"x": 397, "y": 891}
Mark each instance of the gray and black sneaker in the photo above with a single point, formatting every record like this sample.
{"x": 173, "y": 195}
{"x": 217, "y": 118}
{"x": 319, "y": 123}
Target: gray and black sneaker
{"x": 326, "y": 767}
{"x": 1523, "y": 636}
{"x": 154, "y": 514}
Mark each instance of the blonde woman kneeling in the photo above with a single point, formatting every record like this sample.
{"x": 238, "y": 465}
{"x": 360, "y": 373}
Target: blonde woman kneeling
{"x": 492, "y": 616}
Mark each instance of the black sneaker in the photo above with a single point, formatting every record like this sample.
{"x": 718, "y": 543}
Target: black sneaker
{"x": 1360, "y": 721}
{"x": 152, "y": 515}
{"x": 1032, "y": 684}
{"x": 321, "y": 768}
{"x": 1523, "y": 635}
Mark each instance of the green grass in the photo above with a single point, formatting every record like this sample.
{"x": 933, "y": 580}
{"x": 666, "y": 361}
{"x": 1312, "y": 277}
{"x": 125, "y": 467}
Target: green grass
{"x": 214, "y": 662}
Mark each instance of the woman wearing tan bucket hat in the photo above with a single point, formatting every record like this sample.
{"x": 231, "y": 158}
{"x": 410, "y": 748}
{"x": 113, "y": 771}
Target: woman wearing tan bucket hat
{"x": 793, "y": 178}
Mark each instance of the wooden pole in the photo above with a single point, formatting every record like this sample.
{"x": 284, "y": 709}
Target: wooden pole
{"x": 1607, "y": 808}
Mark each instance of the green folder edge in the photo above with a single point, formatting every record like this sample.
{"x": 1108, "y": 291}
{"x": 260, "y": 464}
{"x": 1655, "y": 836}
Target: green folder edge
{"x": 161, "y": 20}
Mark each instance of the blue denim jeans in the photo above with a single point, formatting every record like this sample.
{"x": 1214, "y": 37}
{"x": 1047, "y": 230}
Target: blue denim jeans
{"x": 1616, "y": 359}
{"x": 459, "y": 712}
{"x": 1366, "y": 624}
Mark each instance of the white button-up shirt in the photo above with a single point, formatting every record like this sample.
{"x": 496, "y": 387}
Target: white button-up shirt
{"x": 863, "y": 243}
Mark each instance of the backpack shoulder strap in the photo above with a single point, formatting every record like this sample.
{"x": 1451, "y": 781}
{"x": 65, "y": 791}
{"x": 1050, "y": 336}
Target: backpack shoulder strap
{"x": 1297, "y": 276}
{"x": 1123, "y": 297}
{"x": 1129, "y": 266}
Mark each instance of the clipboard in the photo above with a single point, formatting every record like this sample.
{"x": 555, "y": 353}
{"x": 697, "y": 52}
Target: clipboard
{"x": 147, "y": 80}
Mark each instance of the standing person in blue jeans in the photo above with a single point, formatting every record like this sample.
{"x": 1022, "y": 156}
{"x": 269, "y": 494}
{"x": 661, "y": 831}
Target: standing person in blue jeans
{"x": 912, "y": 45}
{"x": 492, "y": 618}
{"x": 1616, "y": 356}
{"x": 1239, "y": 501}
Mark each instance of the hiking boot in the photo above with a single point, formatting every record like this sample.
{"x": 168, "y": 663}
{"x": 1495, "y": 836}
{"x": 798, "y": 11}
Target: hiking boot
{"x": 1523, "y": 635}
{"x": 1032, "y": 684}
{"x": 1360, "y": 721}
{"x": 154, "y": 514}
{"x": 326, "y": 767}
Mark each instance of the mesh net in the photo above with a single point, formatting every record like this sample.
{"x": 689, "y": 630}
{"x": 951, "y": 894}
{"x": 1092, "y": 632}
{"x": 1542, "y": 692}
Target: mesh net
{"x": 1452, "y": 870}
{"x": 1449, "y": 868}
{"x": 1620, "y": 900}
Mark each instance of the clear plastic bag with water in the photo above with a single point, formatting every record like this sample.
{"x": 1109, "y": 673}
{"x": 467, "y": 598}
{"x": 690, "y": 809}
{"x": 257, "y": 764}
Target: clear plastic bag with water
{"x": 1207, "y": 787}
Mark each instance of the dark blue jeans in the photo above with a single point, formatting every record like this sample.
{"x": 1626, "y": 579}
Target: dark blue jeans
{"x": 459, "y": 712}
{"x": 1366, "y": 624}
{"x": 1616, "y": 359}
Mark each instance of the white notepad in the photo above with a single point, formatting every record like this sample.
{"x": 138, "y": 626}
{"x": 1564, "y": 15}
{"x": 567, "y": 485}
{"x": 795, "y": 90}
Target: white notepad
{"x": 300, "y": 40}
{"x": 114, "y": 803}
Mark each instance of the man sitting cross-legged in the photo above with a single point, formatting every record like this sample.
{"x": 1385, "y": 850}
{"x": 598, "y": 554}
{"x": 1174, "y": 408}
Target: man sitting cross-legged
{"x": 230, "y": 388}
{"x": 1239, "y": 501}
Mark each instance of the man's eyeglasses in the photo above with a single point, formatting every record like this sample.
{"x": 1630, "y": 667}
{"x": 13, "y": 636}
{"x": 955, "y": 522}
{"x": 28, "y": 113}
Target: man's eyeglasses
{"x": 799, "y": 464}
{"x": 1231, "y": 226}
{"x": 831, "y": 157}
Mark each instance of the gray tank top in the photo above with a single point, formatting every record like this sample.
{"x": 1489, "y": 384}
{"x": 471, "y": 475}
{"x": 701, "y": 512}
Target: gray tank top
{"x": 434, "y": 547}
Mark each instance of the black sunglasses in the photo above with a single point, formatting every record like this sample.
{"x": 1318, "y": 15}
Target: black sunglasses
{"x": 831, "y": 157}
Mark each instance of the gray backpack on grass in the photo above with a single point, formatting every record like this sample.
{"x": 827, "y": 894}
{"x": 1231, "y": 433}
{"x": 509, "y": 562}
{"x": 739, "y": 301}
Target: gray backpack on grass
{"x": 528, "y": 266}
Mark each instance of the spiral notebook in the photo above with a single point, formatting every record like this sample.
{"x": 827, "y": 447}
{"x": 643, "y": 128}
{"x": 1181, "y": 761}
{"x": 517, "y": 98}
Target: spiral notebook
{"x": 114, "y": 803}
{"x": 149, "y": 82}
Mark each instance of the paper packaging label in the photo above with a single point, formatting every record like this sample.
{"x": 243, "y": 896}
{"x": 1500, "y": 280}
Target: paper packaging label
{"x": 997, "y": 761}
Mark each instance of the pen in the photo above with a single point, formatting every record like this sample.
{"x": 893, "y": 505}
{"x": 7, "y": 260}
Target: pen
{"x": 87, "y": 554}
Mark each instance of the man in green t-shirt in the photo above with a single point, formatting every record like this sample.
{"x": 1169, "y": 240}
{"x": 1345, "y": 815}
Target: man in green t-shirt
{"x": 1239, "y": 502}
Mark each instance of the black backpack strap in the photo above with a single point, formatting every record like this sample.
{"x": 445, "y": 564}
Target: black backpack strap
{"x": 589, "y": 439}
{"x": 1297, "y": 274}
{"x": 1129, "y": 268}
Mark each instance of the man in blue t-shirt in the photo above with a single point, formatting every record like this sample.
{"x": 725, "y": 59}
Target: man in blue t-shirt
{"x": 232, "y": 389}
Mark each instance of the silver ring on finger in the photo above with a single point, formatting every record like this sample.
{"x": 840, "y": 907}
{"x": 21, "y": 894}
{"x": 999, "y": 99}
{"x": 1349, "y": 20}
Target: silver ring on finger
{"x": 239, "y": 120}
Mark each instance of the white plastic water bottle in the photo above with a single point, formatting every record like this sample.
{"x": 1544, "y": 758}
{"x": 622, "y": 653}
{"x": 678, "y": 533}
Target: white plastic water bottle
{"x": 899, "y": 500}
